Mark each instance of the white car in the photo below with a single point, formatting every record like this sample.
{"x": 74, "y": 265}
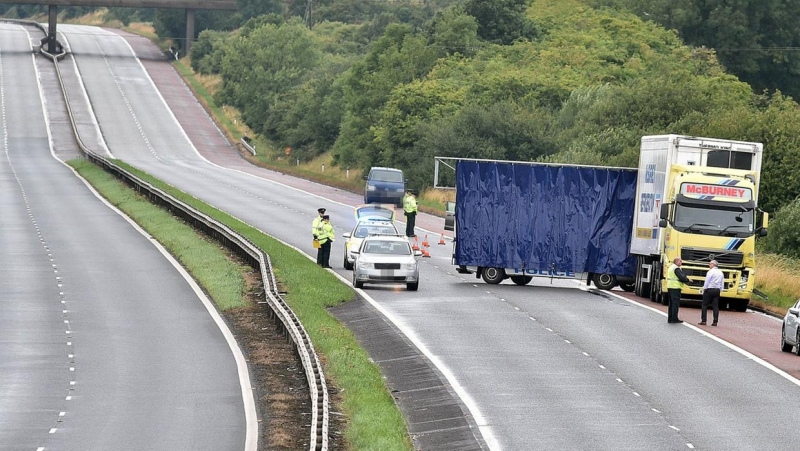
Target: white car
{"x": 790, "y": 333}
{"x": 386, "y": 259}
{"x": 370, "y": 220}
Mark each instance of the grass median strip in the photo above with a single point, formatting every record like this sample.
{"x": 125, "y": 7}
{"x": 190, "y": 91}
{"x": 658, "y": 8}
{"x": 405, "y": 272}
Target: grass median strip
{"x": 374, "y": 421}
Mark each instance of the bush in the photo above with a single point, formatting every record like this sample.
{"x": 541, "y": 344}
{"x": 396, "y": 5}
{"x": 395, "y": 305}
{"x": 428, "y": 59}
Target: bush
{"x": 784, "y": 234}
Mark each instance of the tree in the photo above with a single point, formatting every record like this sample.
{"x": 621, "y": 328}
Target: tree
{"x": 501, "y": 21}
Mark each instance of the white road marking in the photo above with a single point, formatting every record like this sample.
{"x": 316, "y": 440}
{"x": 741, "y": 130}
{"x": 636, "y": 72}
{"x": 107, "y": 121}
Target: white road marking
{"x": 731, "y": 346}
{"x": 673, "y": 427}
{"x": 53, "y": 431}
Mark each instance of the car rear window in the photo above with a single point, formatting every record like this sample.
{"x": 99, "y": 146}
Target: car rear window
{"x": 387, "y": 248}
{"x": 387, "y": 176}
{"x": 366, "y": 230}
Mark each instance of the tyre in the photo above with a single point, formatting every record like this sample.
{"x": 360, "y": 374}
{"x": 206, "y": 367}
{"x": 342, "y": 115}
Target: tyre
{"x": 785, "y": 347}
{"x": 493, "y": 276}
{"x": 664, "y": 298}
{"x": 642, "y": 287}
{"x": 346, "y": 264}
{"x": 521, "y": 280}
{"x": 356, "y": 283}
{"x": 797, "y": 342}
{"x": 629, "y": 287}
{"x": 604, "y": 281}
{"x": 740, "y": 305}
{"x": 412, "y": 286}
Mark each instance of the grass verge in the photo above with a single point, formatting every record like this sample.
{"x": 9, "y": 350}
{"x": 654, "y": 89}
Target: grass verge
{"x": 776, "y": 276}
{"x": 201, "y": 256}
{"x": 374, "y": 421}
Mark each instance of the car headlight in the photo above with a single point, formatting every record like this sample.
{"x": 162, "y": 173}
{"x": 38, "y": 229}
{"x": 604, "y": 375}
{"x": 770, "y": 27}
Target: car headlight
{"x": 409, "y": 266}
{"x": 362, "y": 264}
{"x": 371, "y": 188}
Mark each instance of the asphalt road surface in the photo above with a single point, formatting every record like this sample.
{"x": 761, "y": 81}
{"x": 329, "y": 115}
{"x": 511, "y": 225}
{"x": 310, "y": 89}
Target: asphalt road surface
{"x": 546, "y": 366}
{"x": 104, "y": 343}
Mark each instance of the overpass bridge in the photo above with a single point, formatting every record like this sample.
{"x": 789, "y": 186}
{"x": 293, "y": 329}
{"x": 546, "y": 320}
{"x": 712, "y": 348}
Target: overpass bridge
{"x": 189, "y": 5}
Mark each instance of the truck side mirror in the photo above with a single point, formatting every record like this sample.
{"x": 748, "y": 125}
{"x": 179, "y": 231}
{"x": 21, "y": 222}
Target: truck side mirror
{"x": 762, "y": 231}
{"x": 662, "y": 223}
{"x": 664, "y": 214}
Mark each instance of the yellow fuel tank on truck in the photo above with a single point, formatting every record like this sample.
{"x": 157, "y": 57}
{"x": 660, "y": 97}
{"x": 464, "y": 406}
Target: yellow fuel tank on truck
{"x": 697, "y": 199}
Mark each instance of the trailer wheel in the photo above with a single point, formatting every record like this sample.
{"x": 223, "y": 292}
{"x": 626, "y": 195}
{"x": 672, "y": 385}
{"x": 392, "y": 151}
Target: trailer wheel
{"x": 604, "y": 281}
{"x": 493, "y": 276}
{"x": 521, "y": 280}
{"x": 629, "y": 287}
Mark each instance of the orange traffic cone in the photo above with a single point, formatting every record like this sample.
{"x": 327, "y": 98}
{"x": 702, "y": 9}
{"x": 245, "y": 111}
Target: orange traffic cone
{"x": 425, "y": 253}
{"x": 415, "y": 246}
{"x": 441, "y": 239}
{"x": 425, "y": 241}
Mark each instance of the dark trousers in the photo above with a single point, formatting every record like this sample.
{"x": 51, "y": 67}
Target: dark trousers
{"x": 674, "y": 304}
{"x": 325, "y": 254}
{"x": 411, "y": 219}
{"x": 319, "y": 255}
{"x": 710, "y": 296}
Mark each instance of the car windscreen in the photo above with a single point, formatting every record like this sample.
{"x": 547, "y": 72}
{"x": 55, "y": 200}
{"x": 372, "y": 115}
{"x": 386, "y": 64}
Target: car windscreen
{"x": 365, "y": 230}
{"x": 387, "y": 176}
{"x": 387, "y": 247}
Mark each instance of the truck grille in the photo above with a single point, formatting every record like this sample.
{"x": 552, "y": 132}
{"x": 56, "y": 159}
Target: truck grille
{"x": 723, "y": 257}
{"x": 387, "y": 265}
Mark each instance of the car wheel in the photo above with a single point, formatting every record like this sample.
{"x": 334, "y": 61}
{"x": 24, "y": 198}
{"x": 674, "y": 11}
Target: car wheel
{"x": 629, "y": 287}
{"x": 492, "y": 276}
{"x": 356, "y": 283}
{"x": 785, "y": 347}
{"x": 797, "y": 342}
{"x": 604, "y": 281}
{"x": 347, "y": 265}
{"x": 412, "y": 286}
{"x": 521, "y": 280}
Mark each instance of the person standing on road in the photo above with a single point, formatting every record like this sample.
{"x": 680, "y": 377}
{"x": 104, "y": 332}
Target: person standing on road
{"x": 326, "y": 236}
{"x": 712, "y": 288}
{"x": 410, "y": 209}
{"x": 315, "y": 229}
{"x": 675, "y": 281}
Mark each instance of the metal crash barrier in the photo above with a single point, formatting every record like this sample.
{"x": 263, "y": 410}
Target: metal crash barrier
{"x": 247, "y": 250}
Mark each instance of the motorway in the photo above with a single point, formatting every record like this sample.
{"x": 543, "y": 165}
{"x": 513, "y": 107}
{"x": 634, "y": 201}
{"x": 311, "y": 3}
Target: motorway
{"x": 547, "y": 366}
{"x": 105, "y": 343}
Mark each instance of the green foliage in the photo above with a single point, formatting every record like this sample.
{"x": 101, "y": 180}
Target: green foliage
{"x": 208, "y": 51}
{"x": 753, "y": 37}
{"x": 501, "y": 21}
{"x": 784, "y": 234}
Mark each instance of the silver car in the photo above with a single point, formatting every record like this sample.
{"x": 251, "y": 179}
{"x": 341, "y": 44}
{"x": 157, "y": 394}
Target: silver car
{"x": 364, "y": 228}
{"x": 790, "y": 335}
{"x": 386, "y": 259}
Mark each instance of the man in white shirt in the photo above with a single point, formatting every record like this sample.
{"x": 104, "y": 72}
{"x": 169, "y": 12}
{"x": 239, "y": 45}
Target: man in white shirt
{"x": 711, "y": 291}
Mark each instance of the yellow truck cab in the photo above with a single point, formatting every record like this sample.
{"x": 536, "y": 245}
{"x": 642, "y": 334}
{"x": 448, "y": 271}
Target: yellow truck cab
{"x": 697, "y": 200}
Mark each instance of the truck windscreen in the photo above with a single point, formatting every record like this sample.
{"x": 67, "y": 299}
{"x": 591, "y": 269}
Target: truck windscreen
{"x": 713, "y": 220}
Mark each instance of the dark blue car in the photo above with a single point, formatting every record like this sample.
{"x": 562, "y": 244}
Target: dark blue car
{"x": 385, "y": 186}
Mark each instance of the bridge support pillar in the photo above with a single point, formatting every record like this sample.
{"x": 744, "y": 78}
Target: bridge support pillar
{"x": 52, "y": 42}
{"x": 189, "y": 29}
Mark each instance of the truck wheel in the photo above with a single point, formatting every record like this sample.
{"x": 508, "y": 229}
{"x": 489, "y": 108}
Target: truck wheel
{"x": 521, "y": 280}
{"x": 655, "y": 282}
{"x": 629, "y": 287}
{"x": 493, "y": 276}
{"x": 740, "y": 305}
{"x": 785, "y": 347}
{"x": 604, "y": 281}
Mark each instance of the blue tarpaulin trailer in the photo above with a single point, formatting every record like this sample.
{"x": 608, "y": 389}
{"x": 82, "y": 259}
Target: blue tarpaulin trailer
{"x": 521, "y": 219}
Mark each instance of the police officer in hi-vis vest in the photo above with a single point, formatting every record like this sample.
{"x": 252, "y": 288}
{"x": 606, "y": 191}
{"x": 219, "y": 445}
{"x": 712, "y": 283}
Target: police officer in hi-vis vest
{"x": 675, "y": 281}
